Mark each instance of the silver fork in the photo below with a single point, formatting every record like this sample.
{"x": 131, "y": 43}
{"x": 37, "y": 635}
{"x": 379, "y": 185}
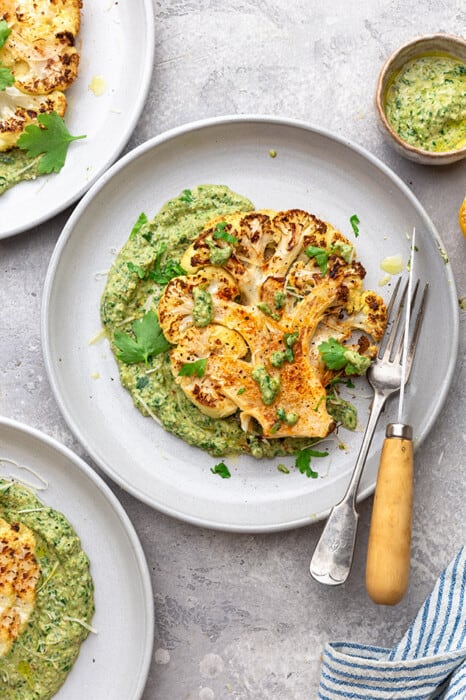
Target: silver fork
{"x": 333, "y": 555}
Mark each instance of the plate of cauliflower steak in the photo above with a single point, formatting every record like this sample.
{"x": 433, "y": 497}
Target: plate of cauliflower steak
{"x": 68, "y": 100}
{"x": 213, "y": 305}
{"x": 62, "y": 531}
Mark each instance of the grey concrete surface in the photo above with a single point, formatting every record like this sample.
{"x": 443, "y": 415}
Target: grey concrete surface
{"x": 238, "y": 616}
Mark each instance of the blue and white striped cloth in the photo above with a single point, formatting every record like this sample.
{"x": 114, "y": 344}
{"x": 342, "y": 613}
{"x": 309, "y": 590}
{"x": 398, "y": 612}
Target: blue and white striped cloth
{"x": 429, "y": 663}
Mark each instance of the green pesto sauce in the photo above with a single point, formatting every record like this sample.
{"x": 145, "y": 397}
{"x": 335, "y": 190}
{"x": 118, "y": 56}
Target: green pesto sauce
{"x": 16, "y": 165}
{"x": 126, "y": 296}
{"x": 41, "y": 657}
{"x": 425, "y": 102}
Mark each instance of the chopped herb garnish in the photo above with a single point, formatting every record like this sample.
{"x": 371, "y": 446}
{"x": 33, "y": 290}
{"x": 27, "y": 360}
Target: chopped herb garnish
{"x": 303, "y": 461}
{"x": 5, "y": 32}
{"x": 7, "y": 78}
{"x": 142, "y": 219}
{"x": 283, "y": 469}
{"x": 241, "y": 390}
{"x": 141, "y": 273}
{"x": 321, "y": 256}
{"x": 222, "y": 470}
{"x": 50, "y": 139}
{"x": 221, "y": 234}
{"x": 162, "y": 274}
{"x": 265, "y": 308}
{"x": 189, "y": 369}
{"x": 337, "y": 356}
{"x": 148, "y": 340}
{"x": 279, "y": 299}
{"x": 354, "y": 221}
{"x": 187, "y": 197}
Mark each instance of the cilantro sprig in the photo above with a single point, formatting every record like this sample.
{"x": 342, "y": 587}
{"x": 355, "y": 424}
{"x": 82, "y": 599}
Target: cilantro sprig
{"x": 147, "y": 342}
{"x": 337, "y": 356}
{"x": 141, "y": 220}
{"x": 50, "y": 139}
{"x": 222, "y": 470}
{"x": 303, "y": 461}
{"x": 354, "y": 221}
{"x": 220, "y": 233}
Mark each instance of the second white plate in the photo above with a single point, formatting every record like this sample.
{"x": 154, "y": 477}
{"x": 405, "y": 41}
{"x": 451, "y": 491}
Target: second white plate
{"x": 116, "y": 47}
{"x": 113, "y": 663}
{"x": 312, "y": 170}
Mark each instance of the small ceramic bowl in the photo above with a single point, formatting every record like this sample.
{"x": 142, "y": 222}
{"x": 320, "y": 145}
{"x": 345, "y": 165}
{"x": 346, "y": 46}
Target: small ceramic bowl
{"x": 442, "y": 43}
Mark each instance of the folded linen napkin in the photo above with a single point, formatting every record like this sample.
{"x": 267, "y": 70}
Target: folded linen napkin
{"x": 429, "y": 663}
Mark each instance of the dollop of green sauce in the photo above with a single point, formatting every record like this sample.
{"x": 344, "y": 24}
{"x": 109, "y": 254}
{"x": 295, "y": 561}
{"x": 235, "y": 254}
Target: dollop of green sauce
{"x": 42, "y": 656}
{"x": 425, "y": 102}
{"x": 15, "y": 166}
{"x": 152, "y": 387}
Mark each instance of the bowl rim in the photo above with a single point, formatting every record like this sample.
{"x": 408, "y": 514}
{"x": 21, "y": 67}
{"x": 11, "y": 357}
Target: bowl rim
{"x": 383, "y": 77}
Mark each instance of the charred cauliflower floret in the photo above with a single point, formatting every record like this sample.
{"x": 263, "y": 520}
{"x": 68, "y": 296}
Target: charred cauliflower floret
{"x": 264, "y": 289}
{"x": 17, "y": 110}
{"x": 40, "y": 53}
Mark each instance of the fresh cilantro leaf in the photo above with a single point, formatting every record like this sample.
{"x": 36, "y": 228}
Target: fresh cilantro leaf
{"x": 6, "y": 78}
{"x": 320, "y": 254}
{"x": 189, "y": 369}
{"x": 5, "y": 32}
{"x": 354, "y": 221}
{"x": 50, "y": 139}
{"x": 162, "y": 274}
{"x": 137, "y": 269}
{"x": 333, "y": 353}
{"x": 221, "y": 234}
{"x": 337, "y": 356}
{"x": 187, "y": 197}
{"x": 303, "y": 461}
{"x": 222, "y": 470}
{"x": 141, "y": 220}
{"x": 148, "y": 340}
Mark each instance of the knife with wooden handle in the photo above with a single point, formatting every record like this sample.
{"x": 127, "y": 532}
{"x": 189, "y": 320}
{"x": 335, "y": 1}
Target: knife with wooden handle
{"x": 389, "y": 548}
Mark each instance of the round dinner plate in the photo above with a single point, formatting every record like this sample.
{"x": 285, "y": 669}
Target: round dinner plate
{"x": 113, "y": 663}
{"x": 116, "y": 47}
{"x": 312, "y": 170}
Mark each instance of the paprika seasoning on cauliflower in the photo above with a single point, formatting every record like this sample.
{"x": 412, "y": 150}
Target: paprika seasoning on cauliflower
{"x": 259, "y": 293}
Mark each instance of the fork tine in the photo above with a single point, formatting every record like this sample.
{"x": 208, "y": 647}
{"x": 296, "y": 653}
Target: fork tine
{"x": 417, "y": 328}
{"x": 399, "y": 352}
{"x": 387, "y": 350}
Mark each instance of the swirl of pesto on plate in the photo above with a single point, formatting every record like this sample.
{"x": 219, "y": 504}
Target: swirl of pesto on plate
{"x": 232, "y": 327}
{"x": 46, "y": 594}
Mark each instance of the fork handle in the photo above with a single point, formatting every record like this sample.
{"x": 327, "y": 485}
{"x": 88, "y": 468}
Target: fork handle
{"x": 389, "y": 548}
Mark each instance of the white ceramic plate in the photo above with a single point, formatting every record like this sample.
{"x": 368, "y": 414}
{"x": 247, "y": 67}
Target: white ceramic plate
{"x": 313, "y": 170}
{"x": 113, "y": 663}
{"x": 116, "y": 44}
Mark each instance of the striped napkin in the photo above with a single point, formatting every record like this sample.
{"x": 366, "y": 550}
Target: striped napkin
{"x": 429, "y": 663}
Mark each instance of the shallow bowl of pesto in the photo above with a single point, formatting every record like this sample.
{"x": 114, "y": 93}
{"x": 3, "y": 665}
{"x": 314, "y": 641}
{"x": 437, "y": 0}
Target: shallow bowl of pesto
{"x": 76, "y": 639}
{"x": 308, "y": 170}
{"x": 421, "y": 99}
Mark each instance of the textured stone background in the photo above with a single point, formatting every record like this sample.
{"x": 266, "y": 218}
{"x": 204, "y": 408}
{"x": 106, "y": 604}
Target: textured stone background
{"x": 237, "y": 616}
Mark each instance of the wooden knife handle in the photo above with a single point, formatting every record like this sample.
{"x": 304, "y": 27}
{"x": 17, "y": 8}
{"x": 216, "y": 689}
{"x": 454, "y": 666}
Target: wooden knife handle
{"x": 389, "y": 548}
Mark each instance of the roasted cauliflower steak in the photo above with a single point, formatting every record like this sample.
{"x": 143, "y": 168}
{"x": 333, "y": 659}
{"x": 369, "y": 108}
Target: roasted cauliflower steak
{"x": 263, "y": 290}
{"x": 41, "y": 54}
